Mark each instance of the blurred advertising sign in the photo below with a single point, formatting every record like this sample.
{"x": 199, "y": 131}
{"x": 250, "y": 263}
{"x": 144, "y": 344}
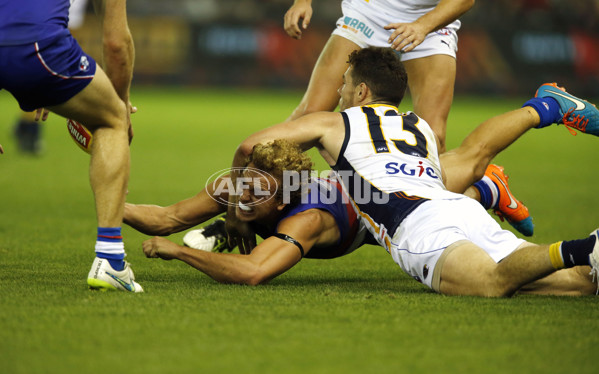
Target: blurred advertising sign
{"x": 500, "y": 62}
{"x": 255, "y": 54}
{"x": 161, "y": 43}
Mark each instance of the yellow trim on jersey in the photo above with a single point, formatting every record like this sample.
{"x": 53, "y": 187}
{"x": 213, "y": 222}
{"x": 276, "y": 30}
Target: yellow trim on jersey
{"x": 373, "y": 224}
{"x": 387, "y": 242}
{"x": 555, "y": 255}
{"x": 380, "y": 105}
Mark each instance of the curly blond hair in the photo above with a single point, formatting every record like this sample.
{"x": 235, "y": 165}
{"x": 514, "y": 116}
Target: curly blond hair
{"x": 281, "y": 156}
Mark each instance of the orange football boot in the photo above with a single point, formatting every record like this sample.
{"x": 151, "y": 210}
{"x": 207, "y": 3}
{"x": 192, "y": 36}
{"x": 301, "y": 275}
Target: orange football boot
{"x": 508, "y": 207}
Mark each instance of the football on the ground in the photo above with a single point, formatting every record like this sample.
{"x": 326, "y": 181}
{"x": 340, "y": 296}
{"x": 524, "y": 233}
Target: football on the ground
{"x": 80, "y": 134}
{"x": 196, "y": 239}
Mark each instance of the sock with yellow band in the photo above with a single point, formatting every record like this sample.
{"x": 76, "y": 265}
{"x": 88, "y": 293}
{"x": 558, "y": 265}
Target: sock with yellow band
{"x": 570, "y": 253}
{"x": 555, "y": 255}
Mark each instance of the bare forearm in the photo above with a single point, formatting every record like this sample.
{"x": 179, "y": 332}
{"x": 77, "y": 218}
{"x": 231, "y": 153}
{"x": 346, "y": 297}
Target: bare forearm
{"x": 272, "y": 257}
{"x": 117, "y": 44}
{"x": 151, "y": 219}
{"x": 119, "y": 56}
{"x": 223, "y": 268}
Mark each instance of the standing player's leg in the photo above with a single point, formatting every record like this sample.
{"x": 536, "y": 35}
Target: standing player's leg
{"x": 105, "y": 115}
{"x": 102, "y": 111}
{"x": 326, "y": 78}
{"x": 431, "y": 81}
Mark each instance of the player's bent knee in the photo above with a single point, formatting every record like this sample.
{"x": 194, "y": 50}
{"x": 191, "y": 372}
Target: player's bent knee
{"x": 115, "y": 118}
{"x": 478, "y": 157}
{"x": 469, "y": 271}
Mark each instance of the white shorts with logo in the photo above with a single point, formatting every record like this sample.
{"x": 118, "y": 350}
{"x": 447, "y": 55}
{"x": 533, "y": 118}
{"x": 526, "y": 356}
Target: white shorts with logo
{"x": 366, "y": 28}
{"x": 430, "y": 229}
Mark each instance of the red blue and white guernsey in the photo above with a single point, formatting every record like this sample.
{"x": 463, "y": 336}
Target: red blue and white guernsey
{"x": 327, "y": 195}
{"x": 389, "y": 165}
{"x": 29, "y": 21}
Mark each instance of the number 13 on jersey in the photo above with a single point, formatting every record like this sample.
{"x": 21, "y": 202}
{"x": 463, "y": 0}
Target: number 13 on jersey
{"x": 398, "y": 129}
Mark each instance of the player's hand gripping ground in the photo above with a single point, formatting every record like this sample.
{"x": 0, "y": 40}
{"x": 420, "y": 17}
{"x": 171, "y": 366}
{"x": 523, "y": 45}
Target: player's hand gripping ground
{"x": 158, "y": 247}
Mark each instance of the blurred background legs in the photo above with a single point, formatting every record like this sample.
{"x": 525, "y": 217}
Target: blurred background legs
{"x": 28, "y": 133}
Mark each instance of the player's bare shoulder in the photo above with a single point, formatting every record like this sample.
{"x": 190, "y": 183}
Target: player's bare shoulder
{"x": 315, "y": 225}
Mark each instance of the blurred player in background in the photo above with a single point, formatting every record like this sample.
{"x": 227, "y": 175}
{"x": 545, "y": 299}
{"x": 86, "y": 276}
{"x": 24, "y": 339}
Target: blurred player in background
{"x": 42, "y": 66}
{"x": 27, "y": 130}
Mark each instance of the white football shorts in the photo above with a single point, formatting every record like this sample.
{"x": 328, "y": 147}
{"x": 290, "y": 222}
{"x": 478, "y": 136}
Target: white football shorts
{"x": 430, "y": 229}
{"x": 366, "y": 29}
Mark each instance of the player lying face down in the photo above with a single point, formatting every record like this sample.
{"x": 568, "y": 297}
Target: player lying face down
{"x": 440, "y": 238}
{"x": 319, "y": 223}
{"x": 314, "y": 221}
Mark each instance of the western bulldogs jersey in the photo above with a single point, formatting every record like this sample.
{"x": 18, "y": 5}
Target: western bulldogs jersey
{"x": 389, "y": 165}
{"x": 328, "y": 195}
{"x": 28, "y": 21}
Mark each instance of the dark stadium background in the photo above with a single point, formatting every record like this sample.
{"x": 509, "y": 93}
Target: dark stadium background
{"x": 505, "y": 46}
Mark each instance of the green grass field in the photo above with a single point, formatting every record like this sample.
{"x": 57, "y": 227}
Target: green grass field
{"x": 357, "y": 314}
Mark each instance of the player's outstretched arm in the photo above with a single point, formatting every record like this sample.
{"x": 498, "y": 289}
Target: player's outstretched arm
{"x": 269, "y": 259}
{"x": 266, "y": 261}
{"x": 158, "y": 220}
{"x": 321, "y": 129}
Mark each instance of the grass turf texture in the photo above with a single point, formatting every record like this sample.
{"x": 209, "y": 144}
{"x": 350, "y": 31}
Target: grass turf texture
{"x": 355, "y": 314}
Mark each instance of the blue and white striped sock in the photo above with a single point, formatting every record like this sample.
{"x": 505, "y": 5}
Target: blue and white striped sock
{"x": 489, "y": 193}
{"x": 109, "y": 245}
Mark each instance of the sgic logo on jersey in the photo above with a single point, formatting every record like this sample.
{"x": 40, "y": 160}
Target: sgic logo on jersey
{"x": 418, "y": 171}
{"x": 357, "y": 26}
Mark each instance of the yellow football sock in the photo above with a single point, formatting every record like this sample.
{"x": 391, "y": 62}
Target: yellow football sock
{"x": 555, "y": 255}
